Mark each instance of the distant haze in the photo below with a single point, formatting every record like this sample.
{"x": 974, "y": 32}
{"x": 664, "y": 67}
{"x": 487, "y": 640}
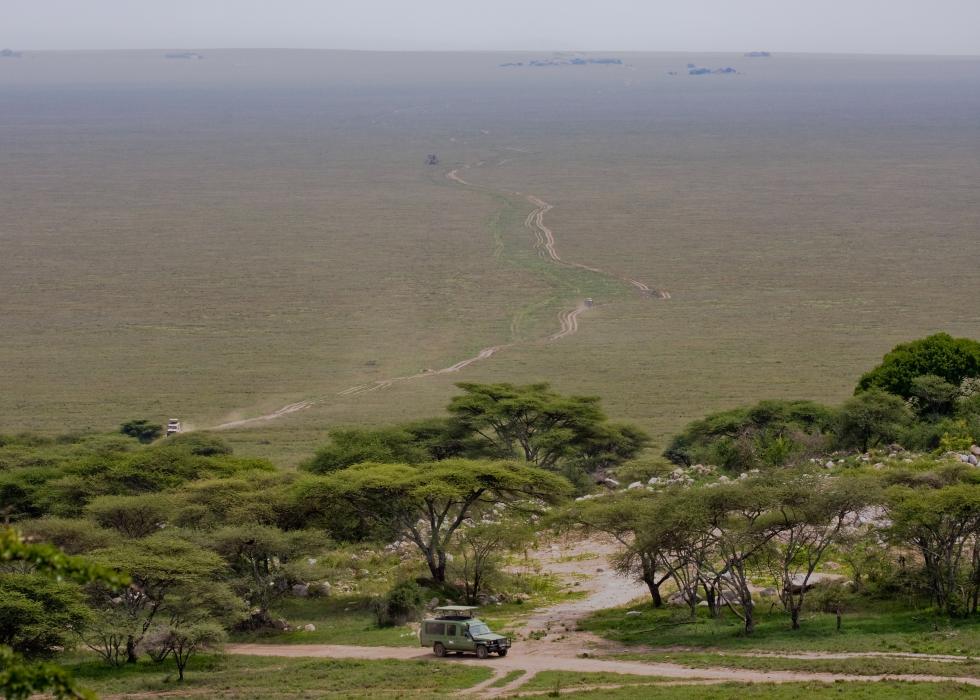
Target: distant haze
{"x": 832, "y": 26}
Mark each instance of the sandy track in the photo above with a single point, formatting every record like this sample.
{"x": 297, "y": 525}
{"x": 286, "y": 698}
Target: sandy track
{"x": 284, "y": 411}
{"x": 569, "y": 322}
{"x": 484, "y": 354}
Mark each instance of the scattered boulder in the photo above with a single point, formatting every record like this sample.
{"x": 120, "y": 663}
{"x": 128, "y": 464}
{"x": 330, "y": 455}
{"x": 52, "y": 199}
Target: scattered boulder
{"x": 309, "y": 627}
{"x": 301, "y": 590}
{"x": 635, "y": 485}
{"x": 796, "y": 584}
{"x": 610, "y": 483}
{"x": 321, "y": 589}
{"x": 633, "y": 613}
{"x": 975, "y": 450}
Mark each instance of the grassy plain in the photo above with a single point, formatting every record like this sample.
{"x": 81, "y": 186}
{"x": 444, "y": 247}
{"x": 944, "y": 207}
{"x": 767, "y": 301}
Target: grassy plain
{"x": 217, "y": 239}
{"x": 241, "y": 677}
{"x": 889, "y": 629}
{"x": 786, "y": 691}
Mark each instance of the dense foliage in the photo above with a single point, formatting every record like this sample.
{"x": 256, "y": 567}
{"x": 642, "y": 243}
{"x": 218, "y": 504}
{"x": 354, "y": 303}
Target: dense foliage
{"x": 940, "y": 355}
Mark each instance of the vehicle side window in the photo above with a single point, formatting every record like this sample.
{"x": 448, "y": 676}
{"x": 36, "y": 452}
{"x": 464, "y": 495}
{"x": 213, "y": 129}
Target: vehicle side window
{"x": 451, "y": 630}
{"x": 436, "y": 628}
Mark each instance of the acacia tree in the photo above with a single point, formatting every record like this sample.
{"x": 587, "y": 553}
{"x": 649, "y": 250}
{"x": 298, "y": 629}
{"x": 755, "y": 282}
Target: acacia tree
{"x": 173, "y": 580}
{"x": 183, "y": 641}
{"x": 632, "y": 519}
{"x": 428, "y": 503}
{"x": 258, "y": 555}
{"x": 478, "y": 551}
{"x": 739, "y": 517}
{"x": 547, "y": 429}
{"x": 943, "y": 525}
{"x": 871, "y": 418}
{"x": 811, "y": 513}
{"x": 20, "y": 679}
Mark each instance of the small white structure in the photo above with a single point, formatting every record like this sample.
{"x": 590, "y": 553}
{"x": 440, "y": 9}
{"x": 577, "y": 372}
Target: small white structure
{"x": 173, "y": 426}
{"x": 589, "y": 302}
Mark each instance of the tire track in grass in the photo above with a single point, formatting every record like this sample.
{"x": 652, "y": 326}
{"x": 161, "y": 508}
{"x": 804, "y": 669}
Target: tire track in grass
{"x": 544, "y": 243}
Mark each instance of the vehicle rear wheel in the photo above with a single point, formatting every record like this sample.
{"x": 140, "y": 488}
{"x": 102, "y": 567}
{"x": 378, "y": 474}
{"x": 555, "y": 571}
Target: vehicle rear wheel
{"x": 502, "y": 652}
{"x": 438, "y": 649}
{"x": 481, "y": 652}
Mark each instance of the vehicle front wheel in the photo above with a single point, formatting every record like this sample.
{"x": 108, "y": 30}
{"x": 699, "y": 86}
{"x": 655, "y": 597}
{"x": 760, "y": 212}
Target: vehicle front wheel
{"x": 481, "y": 652}
{"x": 502, "y": 652}
{"x": 438, "y": 649}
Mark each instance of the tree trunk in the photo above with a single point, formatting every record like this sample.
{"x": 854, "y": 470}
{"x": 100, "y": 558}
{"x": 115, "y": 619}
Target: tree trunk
{"x": 749, "y": 618}
{"x": 436, "y": 561}
{"x": 838, "y": 611}
{"x": 130, "y": 650}
{"x": 650, "y": 579}
{"x": 711, "y": 598}
{"x": 794, "y": 615}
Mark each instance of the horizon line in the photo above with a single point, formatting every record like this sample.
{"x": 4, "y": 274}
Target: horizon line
{"x": 495, "y": 51}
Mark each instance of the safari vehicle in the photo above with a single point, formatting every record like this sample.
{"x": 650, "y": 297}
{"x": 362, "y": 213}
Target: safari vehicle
{"x": 454, "y": 629}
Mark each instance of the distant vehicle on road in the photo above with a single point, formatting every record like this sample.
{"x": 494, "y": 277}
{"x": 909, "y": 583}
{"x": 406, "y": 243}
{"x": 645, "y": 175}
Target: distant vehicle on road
{"x": 455, "y": 629}
{"x": 173, "y": 426}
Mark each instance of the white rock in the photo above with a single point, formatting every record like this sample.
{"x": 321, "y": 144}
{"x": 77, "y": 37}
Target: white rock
{"x": 633, "y": 613}
{"x": 310, "y": 627}
{"x": 635, "y": 485}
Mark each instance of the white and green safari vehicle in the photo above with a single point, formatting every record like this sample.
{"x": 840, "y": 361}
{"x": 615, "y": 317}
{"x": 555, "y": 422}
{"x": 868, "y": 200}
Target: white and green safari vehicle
{"x": 454, "y": 629}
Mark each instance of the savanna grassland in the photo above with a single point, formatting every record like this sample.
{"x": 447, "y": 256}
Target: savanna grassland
{"x": 215, "y": 239}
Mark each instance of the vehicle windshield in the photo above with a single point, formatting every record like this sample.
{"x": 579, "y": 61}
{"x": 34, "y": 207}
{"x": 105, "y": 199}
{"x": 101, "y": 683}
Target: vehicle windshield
{"x": 477, "y": 630}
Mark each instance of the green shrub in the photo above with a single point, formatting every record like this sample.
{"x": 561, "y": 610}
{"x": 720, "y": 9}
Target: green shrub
{"x": 402, "y": 603}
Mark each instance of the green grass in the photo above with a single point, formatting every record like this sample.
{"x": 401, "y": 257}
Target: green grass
{"x": 245, "y": 678}
{"x": 345, "y": 620}
{"x": 863, "y": 666}
{"x": 508, "y": 677}
{"x": 884, "y": 628}
{"x": 787, "y": 691}
{"x": 566, "y": 680}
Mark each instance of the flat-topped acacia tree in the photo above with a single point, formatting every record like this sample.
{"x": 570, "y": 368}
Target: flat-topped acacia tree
{"x": 545, "y": 428}
{"x": 427, "y": 503}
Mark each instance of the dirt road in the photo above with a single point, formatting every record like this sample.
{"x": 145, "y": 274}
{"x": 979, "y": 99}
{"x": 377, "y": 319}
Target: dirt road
{"x": 284, "y": 411}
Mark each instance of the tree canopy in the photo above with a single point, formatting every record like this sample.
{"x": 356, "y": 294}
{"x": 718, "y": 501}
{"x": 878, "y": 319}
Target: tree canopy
{"x": 771, "y": 433}
{"x": 551, "y": 431}
{"x": 427, "y": 503}
{"x": 950, "y": 359}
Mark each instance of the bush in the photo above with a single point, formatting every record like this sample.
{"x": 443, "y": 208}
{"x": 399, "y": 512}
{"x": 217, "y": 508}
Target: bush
{"x": 70, "y": 535}
{"x": 402, "y": 603}
{"x": 142, "y": 429}
{"x": 950, "y": 359}
{"x": 200, "y": 444}
{"x": 769, "y": 434}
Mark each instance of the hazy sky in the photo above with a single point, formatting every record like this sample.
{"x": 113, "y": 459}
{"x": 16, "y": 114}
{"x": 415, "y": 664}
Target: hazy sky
{"x": 839, "y": 26}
